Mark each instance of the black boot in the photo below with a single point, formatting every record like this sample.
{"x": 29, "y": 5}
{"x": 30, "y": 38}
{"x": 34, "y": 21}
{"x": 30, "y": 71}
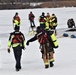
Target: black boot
{"x": 46, "y": 66}
{"x": 51, "y": 64}
{"x": 17, "y": 69}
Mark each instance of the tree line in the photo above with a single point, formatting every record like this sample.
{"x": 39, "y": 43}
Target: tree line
{"x": 8, "y": 1}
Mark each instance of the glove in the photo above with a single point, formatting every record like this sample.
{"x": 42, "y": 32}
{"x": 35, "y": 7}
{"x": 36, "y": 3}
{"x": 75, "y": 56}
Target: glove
{"x": 8, "y": 50}
{"x": 27, "y": 43}
{"x": 23, "y": 48}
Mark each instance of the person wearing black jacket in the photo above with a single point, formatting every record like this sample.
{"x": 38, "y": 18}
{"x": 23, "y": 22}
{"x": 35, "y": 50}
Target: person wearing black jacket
{"x": 46, "y": 46}
{"x": 71, "y": 23}
{"x": 17, "y": 41}
{"x": 42, "y": 20}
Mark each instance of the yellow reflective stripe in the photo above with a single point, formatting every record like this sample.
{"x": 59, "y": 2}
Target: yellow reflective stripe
{"x": 53, "y": 19}
{"x": 47, "y": 25}
{"x": 51, "y": 60}
{"x": 9, "y": 44}
{"x": 45, "y": 19}
{"x": 46, "y": 28}
{"x": 15, "y": 45}
{"x": 24, "y": 43}
{"x": 54, "y": 24}
{"x": 46, "y": 63}
{"x": 12, "y": 36}
{"x": 50, "y": 21}
{"x": 42, "y": 22}
{"x": 16, "y": 23}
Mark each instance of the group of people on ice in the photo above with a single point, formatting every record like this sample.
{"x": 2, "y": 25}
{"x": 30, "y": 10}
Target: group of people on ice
{"x": 44, "y": 34}
{"x": 46, "y": 21}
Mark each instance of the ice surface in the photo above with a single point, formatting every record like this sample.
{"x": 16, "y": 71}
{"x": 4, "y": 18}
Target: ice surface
{"x": 32, "y": 63}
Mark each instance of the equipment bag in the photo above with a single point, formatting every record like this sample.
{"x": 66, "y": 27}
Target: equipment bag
{"x": 52, "y": 38}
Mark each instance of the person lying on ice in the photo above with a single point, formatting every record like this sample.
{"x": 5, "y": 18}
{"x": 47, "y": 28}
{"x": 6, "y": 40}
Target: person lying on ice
{"x": 47, "y": 44}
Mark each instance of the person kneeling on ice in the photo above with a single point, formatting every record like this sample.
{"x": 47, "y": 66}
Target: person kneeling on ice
{"x": 17, "y": 41}
{"x": 47, "y": 44}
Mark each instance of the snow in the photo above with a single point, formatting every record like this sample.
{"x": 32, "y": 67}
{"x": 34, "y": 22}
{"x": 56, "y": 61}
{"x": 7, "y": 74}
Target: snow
{"x": 32, "y": 63}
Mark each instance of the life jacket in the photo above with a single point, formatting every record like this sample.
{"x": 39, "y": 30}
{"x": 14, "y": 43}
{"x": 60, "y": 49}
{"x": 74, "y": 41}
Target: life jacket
{"x": 16, "y": 23}
{"x": 31, "y": 17}
{"x": 17, "y": 38}
{"x": 17, "y": 18}
{"x": 54, "y": 19}
{"x": 42, "y": 38}
{"x": 46, "y": 37}
{"x": 42, "y": 19}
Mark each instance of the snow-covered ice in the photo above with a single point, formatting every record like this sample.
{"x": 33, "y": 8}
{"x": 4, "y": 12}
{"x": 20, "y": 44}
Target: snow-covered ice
{"x": 32, "y": 63}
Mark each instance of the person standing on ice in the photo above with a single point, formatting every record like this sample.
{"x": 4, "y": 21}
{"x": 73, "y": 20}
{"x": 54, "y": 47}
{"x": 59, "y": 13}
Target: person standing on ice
{"x": 16, "y": 20}
{"x": 31, "y": 17}
{"x": 48, "y": 17}
{"x": 17, "y": 41}
{"x": 47, "y": 45}
{"x": 42, "y": 20}
{"x": 53, "y": 23}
